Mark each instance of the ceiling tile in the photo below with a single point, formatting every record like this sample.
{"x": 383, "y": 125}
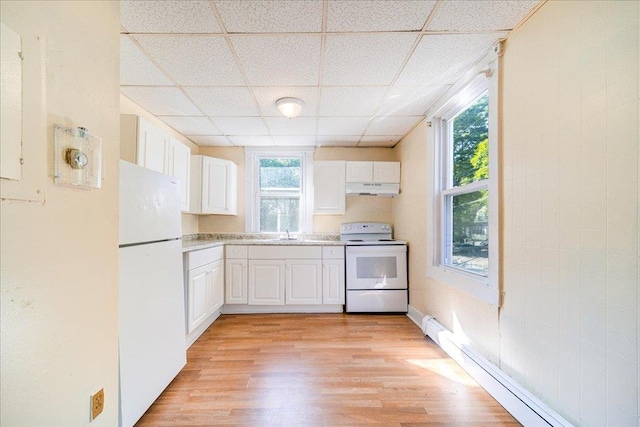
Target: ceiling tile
{"x": 168, "y": 17}
{"x": 350, "y": 100}
{"x": 169, "y": 101}
{"x": 194, "y": 60}
{"x": 267, "y": 96}
{"x": 342, "y": 125}
{"x": 480, "y": 15}
{"x": 271, "y": 16}
{"x": 191, "y": 125}
{"x": 294, "y": 141}
{"x": 441, "y": 59}
{"x": 209, "y": 140}
{"x": 379, "y": 141}
{"x": 223, "y": 101}
{"x": 251, "y": 141}
{"x": 291, "y": 60}
{"x": 410, "y": 100}
{"x": 338, "y": 141}
{"x": 392, "y": 125}
{"x": 136, "y": 69}
{"x": 389, "y": 15}
{"x": 365, "y": 59}
{"x": 294, "y": 126}
{"x": 241, "y": 125}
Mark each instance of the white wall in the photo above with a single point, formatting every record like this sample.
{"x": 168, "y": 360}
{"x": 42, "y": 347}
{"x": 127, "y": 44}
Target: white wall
{"x": 59, "y": 259}
{"x": 568, "y": 327}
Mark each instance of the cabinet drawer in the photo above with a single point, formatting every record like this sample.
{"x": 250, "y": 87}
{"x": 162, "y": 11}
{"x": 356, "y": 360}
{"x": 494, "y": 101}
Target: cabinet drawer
{"x": 285, "y": 252}
{"x": 199, "y": 258}
{"x": 333, "y": 252}
{"x": 233, "y": 251}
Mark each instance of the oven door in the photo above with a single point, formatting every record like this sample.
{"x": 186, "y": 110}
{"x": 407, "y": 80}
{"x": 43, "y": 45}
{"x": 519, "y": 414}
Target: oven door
{"x": 376, "y": 267}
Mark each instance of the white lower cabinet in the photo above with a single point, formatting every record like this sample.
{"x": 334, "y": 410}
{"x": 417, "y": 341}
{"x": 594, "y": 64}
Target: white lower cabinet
{"x": 303, "y": 281}
{"x": 266, "y": 282}
{"x": 204, "y": 287}
{"x": 285, "y": 275}
{"x": 333, "y": 285}
{"x": 236, "y": 271}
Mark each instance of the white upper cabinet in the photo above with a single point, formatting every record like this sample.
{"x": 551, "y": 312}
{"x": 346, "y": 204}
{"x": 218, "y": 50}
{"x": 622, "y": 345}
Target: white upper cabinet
{"x": 214, "y": 186}
{"x": 180, "y": 167}
{"x": 329, "y": 187}
{"x": 153, "y": 147}
{"x": 149, "y": 146}
{"x": 359, "y": 172}
{"x": 373, "y": 172}
{"x": 386, "y": 172}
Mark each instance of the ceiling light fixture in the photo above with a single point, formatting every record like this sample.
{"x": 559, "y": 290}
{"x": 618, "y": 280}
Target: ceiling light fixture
{"x": 290, "y": 107}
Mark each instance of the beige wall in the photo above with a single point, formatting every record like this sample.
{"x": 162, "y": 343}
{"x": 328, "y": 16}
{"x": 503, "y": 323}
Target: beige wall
{"x": 59, "y": 259}
{"x": 568, "y": 327}
{"x": 358, "y": 208}
{"x": 189, "y": 222}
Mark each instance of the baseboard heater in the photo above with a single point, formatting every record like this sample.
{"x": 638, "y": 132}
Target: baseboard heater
{"x": 526, "y": 408}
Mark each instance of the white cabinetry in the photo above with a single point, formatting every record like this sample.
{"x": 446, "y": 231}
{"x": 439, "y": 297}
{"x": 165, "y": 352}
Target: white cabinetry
{"x": 236, "y": 275}
{"x": 303, "y": 281}
{"x": 284, "y": 278}
{"x": 373, "y": 172}
{"x": 149, "y": 146}
{"x": 214, "y": 186}
{"x": 333, "y": 286}
{"x": 180, "y": 167}
{"x": 204, "y": 280}
{"x": 266, "y": 281}
{"x": 329, "y": 187}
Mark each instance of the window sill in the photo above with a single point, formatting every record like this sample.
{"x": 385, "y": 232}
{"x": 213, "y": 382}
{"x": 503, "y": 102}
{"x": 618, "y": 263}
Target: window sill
{"x": 479, "y": 287}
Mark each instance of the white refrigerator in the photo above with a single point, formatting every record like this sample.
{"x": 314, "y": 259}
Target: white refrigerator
{"x": 151, "y": 294}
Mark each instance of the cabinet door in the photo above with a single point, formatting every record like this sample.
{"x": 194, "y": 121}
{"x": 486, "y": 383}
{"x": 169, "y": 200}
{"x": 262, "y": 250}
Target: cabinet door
{"x": 198, "y": 290}
{"x": 359, "y": 172}
{"x": 266, "y": 282}
{"x": 153, "y": 147}
{"x": 333, "y": 282}
{"x": 236, "y": 281}
{"x": 216, "y": 289}
{"x": 303, "y": 282}
{"x": 180, "y": 167}
{"x": 219, "y": 184}
{"x": 329, "y": 187}
{"x": 386, "y": 172}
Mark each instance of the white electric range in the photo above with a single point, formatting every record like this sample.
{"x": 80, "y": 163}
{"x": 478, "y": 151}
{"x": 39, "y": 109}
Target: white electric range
{"x": 376, "y": 269}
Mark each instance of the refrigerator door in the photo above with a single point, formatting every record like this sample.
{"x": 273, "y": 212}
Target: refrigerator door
{"x": 152, "y": 324}
{"x": 149, "y": 205}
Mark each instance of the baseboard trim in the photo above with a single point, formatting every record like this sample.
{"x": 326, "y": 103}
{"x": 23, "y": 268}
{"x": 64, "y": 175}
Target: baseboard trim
{"x": 266, "y": 309}
{"x": 517, "y": 400}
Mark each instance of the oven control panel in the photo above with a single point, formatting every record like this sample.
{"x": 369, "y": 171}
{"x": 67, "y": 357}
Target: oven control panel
{"x": 365, "y": 228}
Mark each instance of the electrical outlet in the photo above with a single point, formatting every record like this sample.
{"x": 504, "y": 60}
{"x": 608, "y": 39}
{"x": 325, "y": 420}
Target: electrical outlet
{"x": 97, "y": 403}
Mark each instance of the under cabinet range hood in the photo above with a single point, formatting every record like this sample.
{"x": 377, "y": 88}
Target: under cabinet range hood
{"x": 372, "y": 189}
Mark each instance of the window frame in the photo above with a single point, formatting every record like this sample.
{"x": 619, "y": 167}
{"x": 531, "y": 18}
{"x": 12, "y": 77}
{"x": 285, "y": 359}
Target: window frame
{"x": 253, "y": 193}
{"x": 482, "y": 77}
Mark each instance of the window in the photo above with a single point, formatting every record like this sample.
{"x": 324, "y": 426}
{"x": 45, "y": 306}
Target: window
{"x": 277, "y": 191}
{"x": 463, "y": 251}
{"x": 465, "y": 193}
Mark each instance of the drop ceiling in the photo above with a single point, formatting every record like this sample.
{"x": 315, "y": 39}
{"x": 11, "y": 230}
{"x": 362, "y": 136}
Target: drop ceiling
{"x": 367, "y": 71}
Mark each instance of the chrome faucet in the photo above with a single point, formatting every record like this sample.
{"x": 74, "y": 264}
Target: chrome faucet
{"x": 287, "y": 230}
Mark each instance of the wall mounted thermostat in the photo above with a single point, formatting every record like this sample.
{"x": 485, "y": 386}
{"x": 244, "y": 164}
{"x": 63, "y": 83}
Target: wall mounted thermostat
{"x": 78, "y": 158}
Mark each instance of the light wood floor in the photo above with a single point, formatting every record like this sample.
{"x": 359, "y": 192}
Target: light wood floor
{"x": 321, "y": 370}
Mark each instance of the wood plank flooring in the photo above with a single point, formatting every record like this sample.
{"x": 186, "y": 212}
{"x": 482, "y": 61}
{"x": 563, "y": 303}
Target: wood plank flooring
{"x": 321, "y": 370}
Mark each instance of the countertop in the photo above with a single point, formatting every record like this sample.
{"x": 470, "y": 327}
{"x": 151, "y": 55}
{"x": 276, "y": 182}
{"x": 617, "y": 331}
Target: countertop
{"x": 193, "y": 242}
